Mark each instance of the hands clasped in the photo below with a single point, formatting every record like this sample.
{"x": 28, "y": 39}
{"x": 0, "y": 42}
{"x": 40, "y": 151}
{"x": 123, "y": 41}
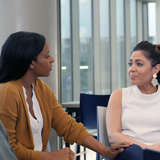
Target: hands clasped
{"x": 114, "y": 150}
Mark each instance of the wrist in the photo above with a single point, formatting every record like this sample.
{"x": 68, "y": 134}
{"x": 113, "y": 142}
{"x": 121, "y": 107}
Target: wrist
{"x": 104, "y": 150}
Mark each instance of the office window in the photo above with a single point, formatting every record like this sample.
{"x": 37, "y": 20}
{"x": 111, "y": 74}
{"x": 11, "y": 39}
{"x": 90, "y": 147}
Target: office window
{"x": 149, "y": 21}
{"x": 66, "y": 52}
{"x": 120, "y": 55}
{"x": 105, "y": 50}
{"x": 93, "y": 45}
{"x": 86, "y": 49}
{"x": 133, "y": 23}
{"x": 152, "y": 22}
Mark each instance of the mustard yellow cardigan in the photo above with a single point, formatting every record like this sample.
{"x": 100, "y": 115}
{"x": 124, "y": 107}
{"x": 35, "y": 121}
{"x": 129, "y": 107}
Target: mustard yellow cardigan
{"x": 14, "y": 115}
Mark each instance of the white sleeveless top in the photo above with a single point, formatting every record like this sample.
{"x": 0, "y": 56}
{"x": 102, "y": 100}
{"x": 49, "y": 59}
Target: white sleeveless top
{"x": 36, "y": 124}
{"x": 141, "y": 115}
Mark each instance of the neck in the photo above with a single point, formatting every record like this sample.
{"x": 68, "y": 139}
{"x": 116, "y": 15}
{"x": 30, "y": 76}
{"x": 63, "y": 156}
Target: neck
{"x": 148, "y": 89}
{"x": 27, "y": 80}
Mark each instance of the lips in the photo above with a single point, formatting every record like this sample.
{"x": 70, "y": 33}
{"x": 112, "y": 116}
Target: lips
{"x": 133, "y": 77}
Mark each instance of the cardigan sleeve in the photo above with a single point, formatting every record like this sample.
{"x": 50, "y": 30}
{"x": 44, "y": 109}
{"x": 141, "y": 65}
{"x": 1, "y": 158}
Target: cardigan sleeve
{"x": 9, "y": 114}
{"x": 67, "y": 126}
{"x": 63, "y": 123}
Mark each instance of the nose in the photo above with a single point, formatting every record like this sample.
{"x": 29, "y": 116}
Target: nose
{"x": 132, "y": 68}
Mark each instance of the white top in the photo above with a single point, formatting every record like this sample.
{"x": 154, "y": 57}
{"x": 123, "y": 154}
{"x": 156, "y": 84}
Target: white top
{"x": 36, "y": 124}
{"x": 141, "y": 115}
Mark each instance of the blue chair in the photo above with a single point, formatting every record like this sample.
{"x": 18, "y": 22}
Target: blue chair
{"x": 88, "y": 111}
{"x": 88, "y": 108}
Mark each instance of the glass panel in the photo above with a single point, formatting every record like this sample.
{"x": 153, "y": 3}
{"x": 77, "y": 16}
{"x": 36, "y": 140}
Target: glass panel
{"x": 152, "y": 22}
{"x": 120, "y": 44}
{"x": 133, "y": 23}
{"x": 66, "y": 52}
{"x": 86, "y": 53}
{"x": 105, "y": 46}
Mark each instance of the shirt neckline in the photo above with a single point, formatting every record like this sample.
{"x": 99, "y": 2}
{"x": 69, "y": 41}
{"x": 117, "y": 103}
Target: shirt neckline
{"x": 146, "y": 95}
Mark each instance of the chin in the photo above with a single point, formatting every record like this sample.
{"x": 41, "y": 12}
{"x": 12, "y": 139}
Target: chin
{"x": 133, "y": 82}
{"x": 44, "y": 75}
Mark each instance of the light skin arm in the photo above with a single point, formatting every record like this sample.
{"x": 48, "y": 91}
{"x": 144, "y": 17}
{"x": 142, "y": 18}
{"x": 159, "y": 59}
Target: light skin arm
{"x": 114, "y": 126}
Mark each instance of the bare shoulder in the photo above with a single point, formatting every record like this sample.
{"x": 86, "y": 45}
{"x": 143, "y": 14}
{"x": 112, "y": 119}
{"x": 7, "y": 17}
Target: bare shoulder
{"x": 117, "y": 93}
{"x": 116, "y": 98}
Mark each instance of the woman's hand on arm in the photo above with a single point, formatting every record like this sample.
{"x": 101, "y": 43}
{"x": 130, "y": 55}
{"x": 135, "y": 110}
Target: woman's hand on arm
{"x": 62, "y": 154}
{"x": 114, "y": 150}
{"x": 110, "y": 152}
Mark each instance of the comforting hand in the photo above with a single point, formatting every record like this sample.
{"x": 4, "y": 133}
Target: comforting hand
{"x": 63, "y": 154}
{"x": 114, "y": 150}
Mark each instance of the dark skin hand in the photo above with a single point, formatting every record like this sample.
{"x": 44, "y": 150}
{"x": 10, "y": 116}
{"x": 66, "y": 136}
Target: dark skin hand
{"x": 106, "y": 151}
{"x": 62, "y": 154}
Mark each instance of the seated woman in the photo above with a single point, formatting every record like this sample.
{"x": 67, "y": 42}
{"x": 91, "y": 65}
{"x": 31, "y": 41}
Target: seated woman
{"x": 133, "y": 114}
{"x": 29, "y": 108}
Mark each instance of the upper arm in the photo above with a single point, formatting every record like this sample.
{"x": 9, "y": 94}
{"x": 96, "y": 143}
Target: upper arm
{"x": 113, "y": 114}
{"x": 8, "y": 107}
{"x": 63, "y": 123}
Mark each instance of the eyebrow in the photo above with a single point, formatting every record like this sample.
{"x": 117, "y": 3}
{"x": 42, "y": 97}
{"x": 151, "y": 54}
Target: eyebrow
{"x": 137, "y": 60}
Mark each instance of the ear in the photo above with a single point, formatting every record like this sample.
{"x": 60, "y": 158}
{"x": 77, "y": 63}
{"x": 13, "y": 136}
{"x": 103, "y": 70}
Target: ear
{"x": 32, "y": 65}
{"x": 156, "y": 68}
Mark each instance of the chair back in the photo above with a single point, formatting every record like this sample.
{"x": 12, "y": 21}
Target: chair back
{"x": 88, "y": 108}
{"x": 101, "y": 128}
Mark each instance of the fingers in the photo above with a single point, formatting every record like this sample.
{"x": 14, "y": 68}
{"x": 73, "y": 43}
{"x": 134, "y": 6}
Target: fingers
{"x": 70, "y": 154}
{"x": 117, "y": 150}
{"x": 116, "y": 147}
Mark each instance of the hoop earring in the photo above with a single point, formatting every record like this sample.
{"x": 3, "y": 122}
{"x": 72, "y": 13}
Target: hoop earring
{"x": 154, "y": 80}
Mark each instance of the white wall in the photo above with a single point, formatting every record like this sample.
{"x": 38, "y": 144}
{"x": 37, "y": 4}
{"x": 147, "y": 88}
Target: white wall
{"x": 32, "y": 15}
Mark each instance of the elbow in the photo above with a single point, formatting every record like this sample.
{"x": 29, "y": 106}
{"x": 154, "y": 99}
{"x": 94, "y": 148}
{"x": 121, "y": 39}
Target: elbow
{"x": 113, "y": 137}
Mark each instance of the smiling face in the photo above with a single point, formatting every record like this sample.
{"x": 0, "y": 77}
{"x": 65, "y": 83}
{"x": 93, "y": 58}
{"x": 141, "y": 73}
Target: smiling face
{"x": 140, "y": 69}
{"x": 43, "y": 65}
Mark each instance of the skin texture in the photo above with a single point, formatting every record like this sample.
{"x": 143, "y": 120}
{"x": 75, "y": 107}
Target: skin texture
{"x": 43, "y": 65}
{"x": 140, "y": 73}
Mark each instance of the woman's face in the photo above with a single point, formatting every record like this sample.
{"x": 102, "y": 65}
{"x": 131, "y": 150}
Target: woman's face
{"x": 43, "y": 65}
{"x": 140, "y": 69}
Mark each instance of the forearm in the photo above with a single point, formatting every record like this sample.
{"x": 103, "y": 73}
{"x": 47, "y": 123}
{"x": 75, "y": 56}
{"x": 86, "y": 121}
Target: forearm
{"x": 91, "y": 143}
{"x": 119, "y": 138}
{"x": 105, "y": 151}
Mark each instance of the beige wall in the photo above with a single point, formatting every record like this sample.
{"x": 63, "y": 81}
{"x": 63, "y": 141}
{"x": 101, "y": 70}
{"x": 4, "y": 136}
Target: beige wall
{"x": 32, "y": 15}
{"x": 37, "y": 16}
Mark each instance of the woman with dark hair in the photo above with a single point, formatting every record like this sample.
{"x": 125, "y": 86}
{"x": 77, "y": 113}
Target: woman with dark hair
{"x": 133, "y": 115}
{"x": 29, "y": 109}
